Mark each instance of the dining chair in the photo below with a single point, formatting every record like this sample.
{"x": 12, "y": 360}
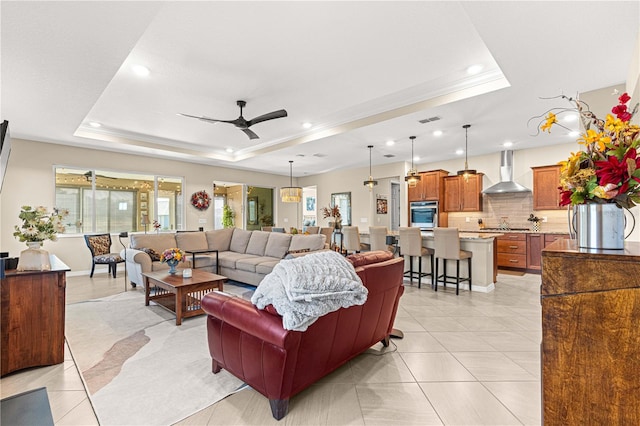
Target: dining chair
{"x": 411, "y": 245}
{"x": 378, "y": 238}
{"x": 312, "y": 230}
{"x": 447, "y": 245}
{"x": 266, "y": 228}
{"x": 327, "y": 231}
{"x": 351, "y": 240}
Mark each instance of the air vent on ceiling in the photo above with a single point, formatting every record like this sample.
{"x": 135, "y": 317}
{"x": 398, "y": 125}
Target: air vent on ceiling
{"x": 320, "y": 155}
{"x": 389, "y": 155}
{"x": 428, "y": 120}
{"x": 299, "y": 155}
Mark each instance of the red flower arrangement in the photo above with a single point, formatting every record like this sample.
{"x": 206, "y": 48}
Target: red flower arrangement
{"x": 200, "y": 200}
{"x": 608, "y": 170}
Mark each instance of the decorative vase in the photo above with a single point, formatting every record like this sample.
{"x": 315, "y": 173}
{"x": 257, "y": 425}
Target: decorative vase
{"x": 599, "y": 226}
{"x": 337, "y": 224}
{"x": 172, "y": 267}
{"x": 34, "y": 258}
{"x": 536, "y": 226}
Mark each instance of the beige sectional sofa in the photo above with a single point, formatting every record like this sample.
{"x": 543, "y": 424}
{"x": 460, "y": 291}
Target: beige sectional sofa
{"x": 245, "y": 256}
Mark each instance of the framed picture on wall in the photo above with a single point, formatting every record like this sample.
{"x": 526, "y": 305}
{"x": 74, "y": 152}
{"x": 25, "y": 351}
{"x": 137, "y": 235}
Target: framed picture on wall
{"x": 143, "y": 196}
{"x": 143, "y": 205}
{"x": 310, "y": 204}
{"x": 381, "y": 206}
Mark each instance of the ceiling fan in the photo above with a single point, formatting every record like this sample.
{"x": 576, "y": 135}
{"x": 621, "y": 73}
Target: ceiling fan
{"x": 240, "y": 122}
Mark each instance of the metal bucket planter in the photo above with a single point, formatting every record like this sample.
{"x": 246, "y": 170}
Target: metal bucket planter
{"x": 600, "y": 226}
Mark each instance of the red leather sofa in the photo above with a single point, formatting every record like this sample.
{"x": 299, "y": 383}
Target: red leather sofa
{"x": 252, "y": 345}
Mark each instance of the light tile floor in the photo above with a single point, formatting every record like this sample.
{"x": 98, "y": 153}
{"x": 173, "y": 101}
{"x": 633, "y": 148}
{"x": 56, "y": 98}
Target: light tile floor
{"x": 471, "y": 359}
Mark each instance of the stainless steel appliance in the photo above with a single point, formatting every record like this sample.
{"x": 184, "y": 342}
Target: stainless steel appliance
{"x": 424, "y": 214}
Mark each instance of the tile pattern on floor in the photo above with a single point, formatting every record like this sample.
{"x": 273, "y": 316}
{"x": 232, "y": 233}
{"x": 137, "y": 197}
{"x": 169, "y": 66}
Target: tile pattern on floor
{"x": 471, "y": 359}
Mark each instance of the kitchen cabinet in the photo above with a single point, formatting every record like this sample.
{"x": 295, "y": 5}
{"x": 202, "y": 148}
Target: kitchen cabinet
{"x": 512, "y": 250}
{"x": 461, "y": 195}
{"x": 546, "y": 195}
{"x": 429, "y": 188}
{"x": 590, "y": 337}
{"x": 33, "y": 310}
{"x": 535, "y": 243}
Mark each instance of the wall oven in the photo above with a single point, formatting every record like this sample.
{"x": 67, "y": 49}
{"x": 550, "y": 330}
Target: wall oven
{"x": 424, "y": 214}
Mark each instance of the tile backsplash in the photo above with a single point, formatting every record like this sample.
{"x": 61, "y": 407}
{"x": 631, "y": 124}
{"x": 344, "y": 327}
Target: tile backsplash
{"x": 516, "y": 207}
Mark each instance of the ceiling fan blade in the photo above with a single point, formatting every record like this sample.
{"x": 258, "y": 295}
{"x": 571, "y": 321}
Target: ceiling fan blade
{"x": 269, "y": 116}
{"x": 250, "y": 134}
{"x": 207, "y": 119}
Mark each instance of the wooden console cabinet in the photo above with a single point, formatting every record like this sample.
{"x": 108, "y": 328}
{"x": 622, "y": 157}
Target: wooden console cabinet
{"x": 590, "y": 335}
{"x": 32, "y": 323}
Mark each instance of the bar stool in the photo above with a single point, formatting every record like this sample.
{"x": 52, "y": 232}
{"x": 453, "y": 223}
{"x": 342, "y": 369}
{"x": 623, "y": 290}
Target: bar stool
{"x": 378, "y": 238}
{"x": 411, "y": 245}
{"x": 447, "y": 245}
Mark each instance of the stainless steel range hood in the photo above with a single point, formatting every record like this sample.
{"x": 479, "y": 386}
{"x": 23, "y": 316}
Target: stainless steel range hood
{"x": 506, "y": 184}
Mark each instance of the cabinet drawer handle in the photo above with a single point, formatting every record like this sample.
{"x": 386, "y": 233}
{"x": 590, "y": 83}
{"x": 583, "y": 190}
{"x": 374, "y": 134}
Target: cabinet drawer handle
{"x": 513, "y": 247}
{"x": 513, "y": 260}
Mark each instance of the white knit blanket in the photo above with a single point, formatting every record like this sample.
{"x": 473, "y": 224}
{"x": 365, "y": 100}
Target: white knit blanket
{"x": 305, "y": 288}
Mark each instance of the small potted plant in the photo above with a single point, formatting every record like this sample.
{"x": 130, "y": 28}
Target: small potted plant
{"x": 334, "y": 212}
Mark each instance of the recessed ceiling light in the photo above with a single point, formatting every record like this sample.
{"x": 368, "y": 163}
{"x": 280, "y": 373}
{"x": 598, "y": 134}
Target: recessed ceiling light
{"x": 459, "y": 151}
{"x": 94, "y": 124}
{"x": 507, "y": 144}
{"x": 569, "y": 118}
{"x": 474, "y": 69}
{"x": 390, "y": 142}
{"x": 416, "y": 158}
{"x": 437, "y": 133}
{"x": 307, "y": 125}
{"x": 141, "y": 70}
{"x": 574, "y": 134}
{"x": 229, "y": 150}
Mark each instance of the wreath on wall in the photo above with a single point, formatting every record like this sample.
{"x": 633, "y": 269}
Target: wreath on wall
{"x": 200, "y": 200}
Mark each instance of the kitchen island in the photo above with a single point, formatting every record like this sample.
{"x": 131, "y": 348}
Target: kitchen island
{"x": 484, "y": 262}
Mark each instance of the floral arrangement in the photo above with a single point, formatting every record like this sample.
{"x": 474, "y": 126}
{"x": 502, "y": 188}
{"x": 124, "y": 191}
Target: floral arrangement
{"x": 40, "y": 225}
{"x": 331, "y": 211}
{"x": 172, "y": 256}
{"x": 534, "y": 219}
{"x": 200, "y": 200}
{"x": 156, "y": 225}
{"x": 608, "y": 169}
{"x": 334, "y": 212}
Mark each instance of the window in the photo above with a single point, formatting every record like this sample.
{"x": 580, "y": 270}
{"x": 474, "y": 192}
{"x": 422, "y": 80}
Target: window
{"x": 105, "y": 201}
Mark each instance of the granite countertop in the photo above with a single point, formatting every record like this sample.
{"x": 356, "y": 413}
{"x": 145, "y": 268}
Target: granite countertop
{"x": 514, "y": 231}
{"x": 469, "y": 235}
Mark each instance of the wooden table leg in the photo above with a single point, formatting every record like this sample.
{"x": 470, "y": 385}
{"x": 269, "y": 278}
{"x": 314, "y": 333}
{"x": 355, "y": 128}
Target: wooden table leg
{"x": 147, "y": 291}
{"x": 179, "y": 303}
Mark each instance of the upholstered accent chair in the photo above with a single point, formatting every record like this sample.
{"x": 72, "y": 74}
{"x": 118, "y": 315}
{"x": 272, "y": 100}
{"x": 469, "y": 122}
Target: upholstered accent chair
{"x": 100, "y": 247}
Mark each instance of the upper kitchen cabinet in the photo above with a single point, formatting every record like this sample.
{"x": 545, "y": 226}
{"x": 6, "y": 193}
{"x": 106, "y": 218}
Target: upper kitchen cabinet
{"x": 546, "y": 195}
{"x": 429, "y": 188}
{"x": 461, "y": 195}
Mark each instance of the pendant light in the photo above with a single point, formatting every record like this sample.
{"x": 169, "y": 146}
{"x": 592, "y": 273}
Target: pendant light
{"x": 467, "y": 171}
{"x": 291, "y": 194}
{"x": 412, "y": 178}
{"x": 370, "y": 183}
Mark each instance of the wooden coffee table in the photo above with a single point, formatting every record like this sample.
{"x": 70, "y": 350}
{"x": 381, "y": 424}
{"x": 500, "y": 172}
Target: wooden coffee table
{"x": 182, "y": 296}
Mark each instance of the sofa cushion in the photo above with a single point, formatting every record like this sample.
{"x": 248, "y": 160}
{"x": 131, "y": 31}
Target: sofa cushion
{"x": 277, "y": 245}
{"x": 157, "y": 242}
{"x": 361, "y": 259}
{"x": 220, "y": 239}
{"x": 249, "y": 264}
{"x": 239, "y": 240}
{"x": 266, "y": 267}
{"x": 228, "y": 259}
{"x": 192, "y": 241}
{"x": 312, "y": 242}
{"x": 257, "y": 243}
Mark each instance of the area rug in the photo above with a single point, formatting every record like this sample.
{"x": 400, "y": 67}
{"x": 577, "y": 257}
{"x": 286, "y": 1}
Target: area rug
{"x": 138, "y": 366}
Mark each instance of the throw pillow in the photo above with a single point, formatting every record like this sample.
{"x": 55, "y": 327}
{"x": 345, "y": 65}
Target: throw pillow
{"x": 151, "y": 252}
{"x": 305, "y": 250}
